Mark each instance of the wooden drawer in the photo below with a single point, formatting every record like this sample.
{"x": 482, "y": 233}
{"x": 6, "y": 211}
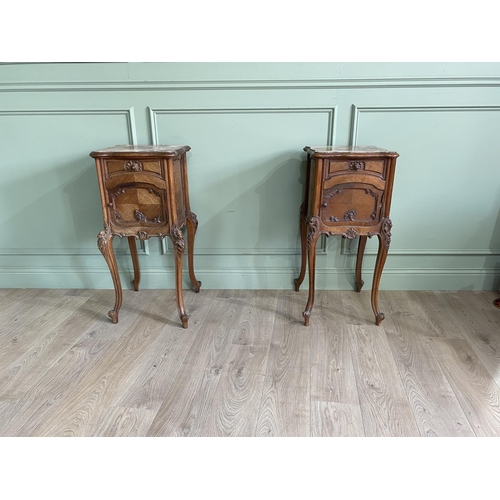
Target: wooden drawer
{"x": 132, "y": 165}
{"x": 375, "y": 166}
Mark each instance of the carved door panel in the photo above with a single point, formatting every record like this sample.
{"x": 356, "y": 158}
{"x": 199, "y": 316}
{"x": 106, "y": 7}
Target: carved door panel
{"x": 130, "y": 204}
{"x": 355, "y": 203}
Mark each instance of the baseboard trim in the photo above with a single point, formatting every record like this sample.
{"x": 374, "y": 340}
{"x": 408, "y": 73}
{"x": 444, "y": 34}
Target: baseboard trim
{"x": 270, "y": 278}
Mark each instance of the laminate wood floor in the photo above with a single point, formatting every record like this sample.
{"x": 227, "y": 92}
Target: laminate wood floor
{"x": 247, "y": 365}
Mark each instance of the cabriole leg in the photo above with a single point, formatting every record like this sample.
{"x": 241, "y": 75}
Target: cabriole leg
{"x": 384, "y": 239}
{"x": 303, "y": 240}
{"x": 179, "y": 246}
{"x": 105, "y": 245}
{"x": 135, "y": 262}
{"x": 192, "y": 226}
{"x": 312, "y": 239}
{"x": 359, "y": 262}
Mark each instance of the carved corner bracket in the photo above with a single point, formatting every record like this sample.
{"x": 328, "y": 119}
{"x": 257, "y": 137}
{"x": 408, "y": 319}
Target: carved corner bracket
{"x": 103, "y": 238}
{"x": 177, "y": 240}
{"x": 192, "y": 217}
{"x": 313, "y": 232}
{"x": 385, "y": 233}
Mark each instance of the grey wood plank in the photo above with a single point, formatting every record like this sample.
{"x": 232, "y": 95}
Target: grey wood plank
{"x": 235, "y": 404}
{"x": 336, "y": 420}
{"x": 124, "y": 422}
{"x": 332, "y": 372}
{"x": 93, "y": 396}
{"x": 26, "y": 315}
{"x": 257, "y": 316}
{"x": 286, "y": 395}
{"x": 384, "y": 405}
{"x": 41, "y": 351}
{"x": 49, "y": 393}
{"x": 15, "y": 302}
{"x": 192, "y": 391}
{"x": 150, "y": 381}
{"x": 45, "y": 399}
{"x": 478, "y": 322}
{"x": 235, "y": 400}
{"x": 440, "y": 318}
{"x": 474, "y": 387}
{"x": 434, "y": 404}
{"x": 356, "y": 307}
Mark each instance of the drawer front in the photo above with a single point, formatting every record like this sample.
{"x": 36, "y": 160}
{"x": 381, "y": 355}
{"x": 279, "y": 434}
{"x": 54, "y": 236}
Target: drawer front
{"x": 114, "y": 166}
{"x": 352, "y": 203}
{"x": 137, "y": 205}
{"x": 376, "y": 166}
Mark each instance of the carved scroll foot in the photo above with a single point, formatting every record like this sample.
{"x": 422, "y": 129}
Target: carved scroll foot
{"x": 297, "y": 284}
{"x": 379, "y": 318}
{"x": 307, "y": 315}
{"x": 114, "y": 316}
{"x": 184, "y": 320}
{"x": 359, "y": 285}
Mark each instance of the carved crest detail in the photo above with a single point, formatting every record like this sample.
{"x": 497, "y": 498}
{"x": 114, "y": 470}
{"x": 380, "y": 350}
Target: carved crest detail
{"x": 133, "y": 166}
{"x": 357, "y": 165}
{"x": 313, "y": 230}
{"x": 192, "y": 217}
{"x": 350, "y": 215}
{"x": 350, "y": 234}
{"x": 385, "y": 233}
{"x": 103, "y": 238}
{"x": 178, "y": 240}
{"x": 139, "y": 216}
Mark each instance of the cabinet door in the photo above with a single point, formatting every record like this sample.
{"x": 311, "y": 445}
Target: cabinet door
{"x": 354, "y": 202}
{"x": 137, "y": 204}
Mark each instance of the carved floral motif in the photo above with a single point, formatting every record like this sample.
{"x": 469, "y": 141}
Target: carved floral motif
{"x": 103, "y": 237}
{"x": 192, "y": 217}
{"x": 313, "y": 230}
{"x": 350, "y": 234}
{"x": 357, "y": 165}
{"x": 385, "y": 233}
{"x": 133, "y": 166}
{"x": 350, "y": 215}
{"x": 139, "y": 216}
{"x": 178, "y": 240}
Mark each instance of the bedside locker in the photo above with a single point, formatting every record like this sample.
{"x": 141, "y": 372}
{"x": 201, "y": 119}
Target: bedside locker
{"x": 348, "y": 193}
{"x": 144, "y": 193}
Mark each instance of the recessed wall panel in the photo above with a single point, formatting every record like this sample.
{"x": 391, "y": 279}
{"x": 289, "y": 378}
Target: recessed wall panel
{"x": 246, "y": 172}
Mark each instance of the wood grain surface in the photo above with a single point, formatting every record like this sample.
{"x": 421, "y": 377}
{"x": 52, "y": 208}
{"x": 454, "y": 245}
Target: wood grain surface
{"x": 247, "y": 366}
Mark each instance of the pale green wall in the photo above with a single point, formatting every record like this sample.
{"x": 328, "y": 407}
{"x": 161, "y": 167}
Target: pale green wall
{"x": 247, "y": 124}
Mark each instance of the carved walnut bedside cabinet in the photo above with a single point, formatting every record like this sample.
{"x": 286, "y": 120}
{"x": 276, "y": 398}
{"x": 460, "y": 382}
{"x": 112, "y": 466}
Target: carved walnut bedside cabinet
{"x": 348, "y": 193}
{"x": 144, "y": 193}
